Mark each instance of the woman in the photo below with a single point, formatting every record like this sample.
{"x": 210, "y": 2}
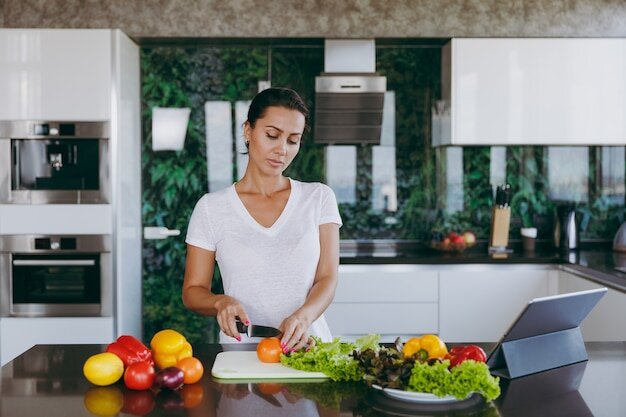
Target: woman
{"x": 276, "y": 240}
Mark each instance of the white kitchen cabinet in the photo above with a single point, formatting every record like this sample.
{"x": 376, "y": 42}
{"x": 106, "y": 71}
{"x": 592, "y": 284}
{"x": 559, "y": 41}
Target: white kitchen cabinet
{"x": 605, "y": 322}
{"x": 55, "y": 74}
{"x": 532, "y": 91}
{"x": 18, "y": 334}
{"x": 84, "y": 75}
{"x": 479, "y": 303}
{"x": 391, "y": 300}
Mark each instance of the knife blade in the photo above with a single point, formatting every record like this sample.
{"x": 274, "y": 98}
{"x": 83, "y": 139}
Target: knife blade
{"x": 255, "y": 330}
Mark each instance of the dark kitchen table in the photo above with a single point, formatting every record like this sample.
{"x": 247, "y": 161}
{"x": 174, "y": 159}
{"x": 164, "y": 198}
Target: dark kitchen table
{"x": 47, "y": 381}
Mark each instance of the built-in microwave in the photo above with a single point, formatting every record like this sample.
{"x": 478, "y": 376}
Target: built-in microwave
{"x": 54, "y": 162}
{"x": 55, "y": 276}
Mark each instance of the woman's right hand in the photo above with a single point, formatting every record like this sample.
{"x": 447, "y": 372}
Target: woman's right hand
{"x": 228, "y": 309}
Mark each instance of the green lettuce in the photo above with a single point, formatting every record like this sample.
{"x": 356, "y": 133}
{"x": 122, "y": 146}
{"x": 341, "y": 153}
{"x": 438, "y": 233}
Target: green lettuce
{"x": 461, "y": 381}
{"x": 332, "y": 358}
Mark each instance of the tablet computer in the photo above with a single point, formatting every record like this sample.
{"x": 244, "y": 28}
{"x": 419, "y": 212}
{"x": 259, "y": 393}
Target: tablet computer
{"x": 547, "y": 315}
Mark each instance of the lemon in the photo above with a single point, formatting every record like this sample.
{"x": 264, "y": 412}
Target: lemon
{"x": 104, "y": 401}
{"x": 103, "y": 368}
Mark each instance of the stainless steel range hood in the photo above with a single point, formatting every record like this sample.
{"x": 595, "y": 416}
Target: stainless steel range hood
{"x": 349, "y": 95}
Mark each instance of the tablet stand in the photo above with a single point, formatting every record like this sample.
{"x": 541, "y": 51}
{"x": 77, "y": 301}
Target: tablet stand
{"x": 521, "y": 357}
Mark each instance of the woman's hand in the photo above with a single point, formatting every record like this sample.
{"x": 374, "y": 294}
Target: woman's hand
{"x": 228, "y": 310}
{"x": 295, "y": 333}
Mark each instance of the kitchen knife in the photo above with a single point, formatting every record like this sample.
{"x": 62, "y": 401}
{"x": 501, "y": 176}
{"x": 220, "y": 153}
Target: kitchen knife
{"x": 254, "y": 330}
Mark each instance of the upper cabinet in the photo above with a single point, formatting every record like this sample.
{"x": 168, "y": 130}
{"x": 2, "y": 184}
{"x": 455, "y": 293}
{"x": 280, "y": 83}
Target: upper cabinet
{"x": 53, "y": 74}
{"x": 532, "y": 92}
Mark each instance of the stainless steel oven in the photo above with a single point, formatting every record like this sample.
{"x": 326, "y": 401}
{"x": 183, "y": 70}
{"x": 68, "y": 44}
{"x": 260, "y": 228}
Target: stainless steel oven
{"x": 54, "y": 162}
{"x": 55, "y": 276}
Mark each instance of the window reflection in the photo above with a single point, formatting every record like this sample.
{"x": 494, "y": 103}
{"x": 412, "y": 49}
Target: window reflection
{"x": 219, "y": 144}
{"x": 497, "y": 166}
{"x": 613, "y": 162}
{"x": 568, "y": 173}
{"x": 384, "y": 187}
{"x": 241, "y": 114}
{"x": 454, "y": 179}
{"x": 341, "y": 172}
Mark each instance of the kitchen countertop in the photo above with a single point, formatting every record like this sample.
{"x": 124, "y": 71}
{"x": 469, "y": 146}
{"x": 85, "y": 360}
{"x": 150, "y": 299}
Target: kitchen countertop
{"x": 595, "y": 261}
{"x": 47, "y": 381}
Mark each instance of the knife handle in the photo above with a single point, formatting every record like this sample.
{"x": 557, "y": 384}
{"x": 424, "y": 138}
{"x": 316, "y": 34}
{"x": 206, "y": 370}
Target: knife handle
{"x": 241, "y": 328}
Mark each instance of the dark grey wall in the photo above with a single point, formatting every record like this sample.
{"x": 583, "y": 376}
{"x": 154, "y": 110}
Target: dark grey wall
{"x": 326, "y": 18}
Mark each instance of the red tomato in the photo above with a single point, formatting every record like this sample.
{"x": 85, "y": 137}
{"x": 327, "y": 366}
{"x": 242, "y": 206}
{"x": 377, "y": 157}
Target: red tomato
{"x": 192, "y": 368}
{"x": 138, "y": 403}
{"x": 268, "y": 350}
{"x": 139, "y": 376}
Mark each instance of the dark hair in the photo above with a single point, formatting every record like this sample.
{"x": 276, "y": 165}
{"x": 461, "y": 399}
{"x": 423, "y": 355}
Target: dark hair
{"x": 277, "y": 97}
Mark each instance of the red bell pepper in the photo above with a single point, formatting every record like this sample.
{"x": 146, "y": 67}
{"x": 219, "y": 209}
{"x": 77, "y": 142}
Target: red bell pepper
{"x": 130, "y": 350}
{"x": 459, "y": 354}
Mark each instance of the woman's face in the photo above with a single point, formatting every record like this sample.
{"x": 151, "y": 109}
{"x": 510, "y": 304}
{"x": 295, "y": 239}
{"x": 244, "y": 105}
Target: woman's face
{"x": 275, "y": 139}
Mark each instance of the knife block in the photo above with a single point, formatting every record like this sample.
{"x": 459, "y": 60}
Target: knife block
{"x": 500, "y": 221}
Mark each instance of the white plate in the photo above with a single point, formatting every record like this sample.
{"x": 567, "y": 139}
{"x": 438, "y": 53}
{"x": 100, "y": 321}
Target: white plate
{"x": 416, "y": 397}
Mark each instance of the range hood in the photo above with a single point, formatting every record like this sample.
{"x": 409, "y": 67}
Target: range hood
{"x": 349, "y": 95}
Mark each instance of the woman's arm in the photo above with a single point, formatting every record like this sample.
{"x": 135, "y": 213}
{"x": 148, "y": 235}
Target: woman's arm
{"x": 295, "y": 327}
{"x": 197, "y": 295}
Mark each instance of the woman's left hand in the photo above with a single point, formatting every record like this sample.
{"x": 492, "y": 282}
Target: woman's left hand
{"x": 295, "y": 333}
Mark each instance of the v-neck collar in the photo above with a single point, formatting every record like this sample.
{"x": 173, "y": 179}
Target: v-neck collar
{"x": 280, "y": 221}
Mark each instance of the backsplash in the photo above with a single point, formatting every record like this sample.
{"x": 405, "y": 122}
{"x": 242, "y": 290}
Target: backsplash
{"x": 401, "y": 189}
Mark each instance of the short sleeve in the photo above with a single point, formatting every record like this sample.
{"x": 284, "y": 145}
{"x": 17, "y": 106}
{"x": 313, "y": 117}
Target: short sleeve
{"x": 199, "y": 231}
{"x": 329, "y": 212}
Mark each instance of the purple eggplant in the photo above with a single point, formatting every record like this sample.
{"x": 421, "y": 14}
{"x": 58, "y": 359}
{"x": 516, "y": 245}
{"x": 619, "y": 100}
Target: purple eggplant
{"x": 170, "y": 378}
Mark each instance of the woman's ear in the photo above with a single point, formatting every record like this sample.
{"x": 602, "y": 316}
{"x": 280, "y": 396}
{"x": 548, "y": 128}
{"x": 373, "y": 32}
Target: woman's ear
{"x": 247, "y": 132}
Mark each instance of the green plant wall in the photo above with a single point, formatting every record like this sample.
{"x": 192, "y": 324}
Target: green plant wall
{"x": 174, "y": 181}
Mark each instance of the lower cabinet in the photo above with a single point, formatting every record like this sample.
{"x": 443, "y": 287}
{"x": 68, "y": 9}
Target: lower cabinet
{"x": 18, "y": 334}
{"x": 604, "y": 323}
{"x": 461, "y": 303}
{"x": 391, "y": 300}
{"x": 479, "y": 304}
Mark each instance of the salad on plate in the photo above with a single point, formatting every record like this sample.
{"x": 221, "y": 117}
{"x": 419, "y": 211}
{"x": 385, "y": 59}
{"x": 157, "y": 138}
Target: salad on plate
{"x": 420, "y": 370}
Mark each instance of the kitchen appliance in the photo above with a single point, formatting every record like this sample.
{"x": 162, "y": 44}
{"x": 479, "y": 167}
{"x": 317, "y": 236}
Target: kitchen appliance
{"x": 54, "y": 162}
{"x": 500, "y": 220}
{"x": 55, "y": 276}
{"x": 567, "y": 228}
{"x": 349, "y": 94}
{"x": 619, "y": 241}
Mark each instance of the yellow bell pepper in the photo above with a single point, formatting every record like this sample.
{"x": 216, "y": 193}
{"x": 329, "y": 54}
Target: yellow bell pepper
{"x": 168, "y": 347}
{"x": 431, "y": 345}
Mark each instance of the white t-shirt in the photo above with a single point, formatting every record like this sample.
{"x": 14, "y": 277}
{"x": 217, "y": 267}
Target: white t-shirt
{"x": 270, "y": 270}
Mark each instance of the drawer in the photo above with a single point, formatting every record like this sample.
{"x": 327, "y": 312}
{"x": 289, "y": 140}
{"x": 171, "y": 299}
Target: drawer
{"x": 382, "y": 318}
{"x": 386, "y": 283}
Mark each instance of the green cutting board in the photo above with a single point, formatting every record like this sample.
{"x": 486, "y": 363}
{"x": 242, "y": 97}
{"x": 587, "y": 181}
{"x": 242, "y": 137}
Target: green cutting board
{"x": 246, "y": 365}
